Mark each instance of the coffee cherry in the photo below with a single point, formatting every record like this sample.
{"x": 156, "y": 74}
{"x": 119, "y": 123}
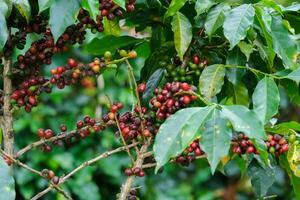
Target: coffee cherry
{"x": 292, "y": 138}
{"x": 196, "y": 59}
{"x": 107, "y": 55}
{"x": 41, "y": 133}
{"x": 250, "y": 149}
{"x": 48, "y": 133}
{"x": 55, "y": 180}
{"x": 114, "y": 108}
{"x": 132, "y": 54}
{"x": 186, "y": 100}
{"x": 63, "y": 128}
{"x": 111, "y": 116}
{"x": 147, "y": 133}
{"x": 79, "y": 124}
{"x": 130, "y": 8}
{"x": 141, "y": 87}
{"x": 51, "y": 174}
{"x": 123, "y": 53}
{"x": 141, "y": 174}
{"x": 128, "y": 172}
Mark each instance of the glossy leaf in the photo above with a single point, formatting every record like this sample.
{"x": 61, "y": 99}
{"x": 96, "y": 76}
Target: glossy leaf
{"x": 211, "y": 80}
{"x": 7, "y": 183}
{"x": 44, "y": 5}
{"x": 216, "y": 139}
{"x": 272, "y": 4}
{"x": 203, "y": 6}
{"x": 92, "y": 6}
{"x": 244, "y": 120}
{"x": 215, "y": 18}
{"x": 111, "y": 27}
{"x": 237, "y": 23}
{"x": 246, "y": 48}
{"x": 178, "y": 131}
{"x": 3, "y": 26}
{"x": 182, "y": 33}
{"x": 294, "y": 75}
{"x": 283, "y": 43}
{"x": 152, "y": 84}
{"x": 23, "y": 7}
{"x": 266, "y": 99}
{"x": 58, "y": 24}
{"x": 109, "y": 43}
{"x": 293, "y": 157}
{"x": 235, "y": 58}
{"x": 175, "y": 6}
{"x": 261, "y": 178}
{"x": 121, "y": 3}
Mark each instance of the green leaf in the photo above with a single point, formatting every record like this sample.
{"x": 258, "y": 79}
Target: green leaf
{"x": 44, "y": 5}
{"x": 266, "y": 99}
{"x": 6, "y": 8}
{"x": 178, "y": 131}
{"x": 174, "y": 7}
{"x": 23, "y": 7}
{"x": 244, "y": 120}
{"x": 58, "y": 24}
{"x": 110, "y": 43}
{"x": 182, "y": 33}
{"x": 292, "y": 8}
{"x": 271, "y": 4}
{"x": 111, "y": 27}
{"x": 237, "y": 23}
{"x": 284, "y": 44}
{"x": 216, "y": 139}
{"x": 235, "y": 58}
{"x": 152, "y": 83}
{"x": 212, "y": 80}
{"x": 3, "y": 26}
{"x": 294, "y": 75}
{"x": 293, "y": 157}
{"x": 7, "y": 183}
{"x": 120, "y": 3}
{"x": 215, "y": 18}
{"x": 261, "y": 178}
{"x": 203, "y": 6}
{"x": 239, "y": 94}
{"x": 92, "y": 6}
{"x": 246, "y": 48}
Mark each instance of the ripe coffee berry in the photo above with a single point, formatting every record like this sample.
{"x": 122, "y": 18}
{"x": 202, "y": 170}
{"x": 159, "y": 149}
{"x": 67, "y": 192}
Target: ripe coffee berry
{"x": 55, "y": 180}
{"x": 242, "y": 144}
{"x": 141, "y": 87}
{"x": 196, "y": 59}
{"x": 48, "y": 133}
{"x": 277, "y": 144}
{"x": 128, "y": 172}
{"x": 63, "y": 128}
{"x": 190, "y": 153}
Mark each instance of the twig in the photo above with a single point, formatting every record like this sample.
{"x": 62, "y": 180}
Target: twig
{"x": 83, "y": 165}
{"x": 149, "y": 165}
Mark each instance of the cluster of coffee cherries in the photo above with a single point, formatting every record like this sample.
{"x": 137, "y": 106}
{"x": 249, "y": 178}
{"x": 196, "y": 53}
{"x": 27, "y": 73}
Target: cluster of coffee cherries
{"x": 277, "y": 144}
{"x": 110, "y": 10}
{"x": 190, "y": 153}
{"x": 241, "y": 144}
{"x": 134, "y": 171}
{"x": 87, "y": 126}
{"x": 95, "y": 26}
{"x": 26, "y": 95}
{"x": 169, "y": 99}
{"x": 175, "y": 71}
{"x": 50, "y": 175}
{"x": 132, "y": 194}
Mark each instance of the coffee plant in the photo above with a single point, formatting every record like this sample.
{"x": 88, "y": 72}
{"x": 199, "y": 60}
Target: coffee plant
{"x": 213, "y": 81}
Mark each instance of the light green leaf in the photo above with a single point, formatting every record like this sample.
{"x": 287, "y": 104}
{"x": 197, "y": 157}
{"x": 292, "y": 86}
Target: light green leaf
{"x": 266, "y": 99}
{"x": 244, "y": 120}
{"x": 261, "y": 178}
{"x": 9, "y": 6}
{"x": 92, "y": 6}
{"x": 44, "y": 5}
{"x": 3, "y": 26}
{"x": 294, "y": 75}
{"x": 7, "y": 183}
{"x": 203, "y": 6}
{"x": 215, "y": 18}
{"x": 110, "y": 43}
{"x": 182, "y": 33}
{"x": 284, "y": 44}
{"x": 121, "y": 3}
{"x": 58, "y": 24}
{"x": 272, "y": 4}
{"x": 284, "y": 128}
{"x": 111, "y": 27}
{"x": 293, "y": 157}
{"x": 178, "y": 131}
{"x": 246, "y": 48}
{"x": 23, "y": 7}
{"x": 237, "y": 23}
{"x": 211, "y": 80}
{"x": 216, "y": 139}
{"x": 292, "y": 8}
{"x": 174, "y": 7}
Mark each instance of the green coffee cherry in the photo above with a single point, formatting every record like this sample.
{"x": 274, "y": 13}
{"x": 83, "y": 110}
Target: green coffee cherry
{"x": 107, "y": 55}
{"x": 123, "y": 53}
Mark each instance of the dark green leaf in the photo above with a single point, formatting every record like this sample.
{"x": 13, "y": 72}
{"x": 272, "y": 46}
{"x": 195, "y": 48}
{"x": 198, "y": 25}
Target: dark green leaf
{"x": 178, "y": 131}
{"x": 202, "y": 6}
{"x": 182, "y": 33}
{"x": 3, "y": 26}
{"x": 239, "y": 93}
{"x": 215, "y": 18}
{"x": 261, "y": 178}
{"x": 284, "y": 44}
{"x": 58, "y": 24}
{"x": 246, "y": 48}
{"x": 266, "y": 99}
{"x": 92, "y": 6}
{"x": 121, "y": 3}
{"x": 216, "y": 139}
{"x": 211, "y": 80}
{"x": 174, "y": 7}
{"x": 44, "y": 5}
{"x": 244, "y": 120}
{"x": 152, "y": 84}
{"x": 237, "y": 23}
{"x": 235, "y": 58}
{"x": 23, "y": 7}
{"x": 7, "y": 183}
{"x": 110, "y": 43}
